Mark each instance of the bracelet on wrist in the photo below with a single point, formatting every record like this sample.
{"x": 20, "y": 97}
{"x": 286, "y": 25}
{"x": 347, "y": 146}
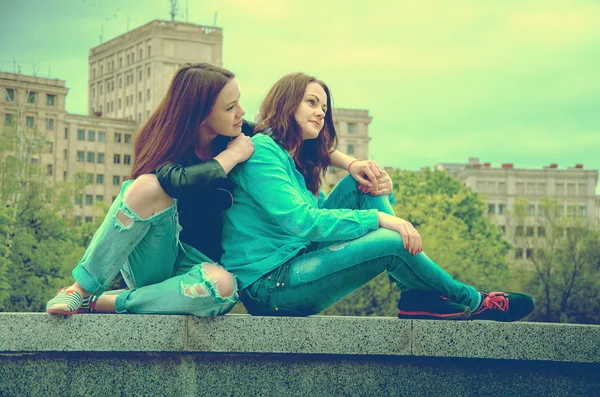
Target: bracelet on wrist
{"x": 353, "y": 163}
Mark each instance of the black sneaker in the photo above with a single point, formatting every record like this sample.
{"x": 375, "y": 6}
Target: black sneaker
{"x": 431, "y": 306}
{"x": 503, "y": 306}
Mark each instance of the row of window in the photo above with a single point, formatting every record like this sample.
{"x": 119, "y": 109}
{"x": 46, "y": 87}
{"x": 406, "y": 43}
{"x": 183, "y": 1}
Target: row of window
{"x": 580, "y": 210}
{"x": 110, "y": 85}
{"x": 98, "y": 179}
{"x": 93, "y": 157}
{"x": 31, "y": 97}
{"x": 100, "y": 136}
{"x": 130, "y": 59}
{"x": 9, "y": 119}
{"x": 533, "y": 188}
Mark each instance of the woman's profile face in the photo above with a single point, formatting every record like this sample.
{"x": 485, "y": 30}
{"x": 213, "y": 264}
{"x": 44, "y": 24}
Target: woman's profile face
{"x": 310, "y": 114}
{"x": 226, "y": 116}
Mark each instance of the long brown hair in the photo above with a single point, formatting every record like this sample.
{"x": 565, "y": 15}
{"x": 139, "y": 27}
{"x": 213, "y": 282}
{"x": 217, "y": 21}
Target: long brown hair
{"x": 277, "y": 114}
{"x": 170, "y": 132}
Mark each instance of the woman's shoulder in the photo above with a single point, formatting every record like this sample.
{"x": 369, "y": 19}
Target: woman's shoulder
{"x": 265, "y": 144}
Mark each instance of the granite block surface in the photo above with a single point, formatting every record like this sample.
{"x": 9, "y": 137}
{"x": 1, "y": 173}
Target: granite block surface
{"x": 312, "y": 335}
{"x": 514, "y": 341}
{"x": 23, "y": 332}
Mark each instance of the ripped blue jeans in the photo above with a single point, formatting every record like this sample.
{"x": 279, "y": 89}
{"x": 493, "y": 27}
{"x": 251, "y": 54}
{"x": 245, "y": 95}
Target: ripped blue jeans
{"x": 327, "y": 272}
{"x": 164, "y": 276}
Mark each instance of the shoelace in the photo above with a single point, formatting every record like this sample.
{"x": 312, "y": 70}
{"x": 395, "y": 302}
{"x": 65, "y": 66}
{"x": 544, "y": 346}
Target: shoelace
{"x": 495, "y": 301}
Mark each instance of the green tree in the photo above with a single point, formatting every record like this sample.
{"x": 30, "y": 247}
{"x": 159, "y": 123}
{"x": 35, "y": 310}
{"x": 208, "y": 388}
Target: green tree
{"x": 563, "y": 261}
{"x": 457, "y": 234}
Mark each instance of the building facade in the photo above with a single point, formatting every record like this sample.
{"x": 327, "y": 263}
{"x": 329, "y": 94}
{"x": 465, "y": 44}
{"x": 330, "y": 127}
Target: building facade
{"x": 129, "y": 75}
{"x": 352, "y": 127}
{"x": 573, "y": 187}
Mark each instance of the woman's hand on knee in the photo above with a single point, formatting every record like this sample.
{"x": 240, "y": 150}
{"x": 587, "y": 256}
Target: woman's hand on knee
{"x": 366, "y": 173}
{"x": 410, "y": 236}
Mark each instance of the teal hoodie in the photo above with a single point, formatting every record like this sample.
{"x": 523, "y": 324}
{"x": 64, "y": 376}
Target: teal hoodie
{"x": 274, "y": 216}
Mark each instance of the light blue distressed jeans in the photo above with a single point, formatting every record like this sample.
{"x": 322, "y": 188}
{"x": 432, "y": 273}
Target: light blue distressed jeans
{"x": 327, "y": 272}
{"x": 164, "y": 276}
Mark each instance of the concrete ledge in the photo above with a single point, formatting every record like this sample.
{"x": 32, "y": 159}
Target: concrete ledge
{"x": 39, "y": 332}
{"x": 240, "y": 355}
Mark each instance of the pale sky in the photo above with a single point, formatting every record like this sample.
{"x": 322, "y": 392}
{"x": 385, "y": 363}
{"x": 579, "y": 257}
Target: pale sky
{"x": 515, "y": 81}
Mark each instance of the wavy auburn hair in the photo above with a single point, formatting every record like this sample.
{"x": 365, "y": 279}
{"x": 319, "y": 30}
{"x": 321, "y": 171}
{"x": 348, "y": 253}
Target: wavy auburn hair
{"x": 277, "y": 114}
{"x": 170, "y": 132}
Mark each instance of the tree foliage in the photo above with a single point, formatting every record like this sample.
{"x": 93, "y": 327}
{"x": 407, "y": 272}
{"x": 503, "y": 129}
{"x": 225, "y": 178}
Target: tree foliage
{"x": 457, "y": 234}
{"x": 562, "y": 268}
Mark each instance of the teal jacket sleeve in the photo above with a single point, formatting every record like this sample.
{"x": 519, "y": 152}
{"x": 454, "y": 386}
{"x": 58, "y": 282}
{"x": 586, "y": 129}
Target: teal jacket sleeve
{"x": 178, "y": 180}
{"x": 268, "y": 178}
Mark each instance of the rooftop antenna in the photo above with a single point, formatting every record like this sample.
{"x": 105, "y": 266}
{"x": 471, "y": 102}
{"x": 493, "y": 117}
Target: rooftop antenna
{"x": 173, "y": 11}
{"x": 215, "y": 20}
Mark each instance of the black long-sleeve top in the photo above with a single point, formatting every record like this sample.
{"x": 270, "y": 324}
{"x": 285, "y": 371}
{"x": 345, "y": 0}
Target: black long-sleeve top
{"x": 203, "y": 192}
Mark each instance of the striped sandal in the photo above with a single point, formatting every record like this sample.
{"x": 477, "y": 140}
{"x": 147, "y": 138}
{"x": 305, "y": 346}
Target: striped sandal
{"x": 67, "y": 302}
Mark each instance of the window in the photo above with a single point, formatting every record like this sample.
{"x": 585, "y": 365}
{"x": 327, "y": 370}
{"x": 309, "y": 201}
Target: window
{"x": 50, "y": 99}
{"x": 132, "y": 57}
{"x": 88, "y": 219}
{"x": 89, "y": 179}
{"x": 49, "y": 147}
{"x": 79, "y": 200}
{"x": 120, "y": 82}
{"x": 148, "y": 95}
{"x": 117, "y": 137}
{"x": 49, "y": 171}
{"x": 541, "y": 231}
{"x": 571, "y": 189}
{"x": 350, "y": 149}
{"x": 530, "y": 231}
{"x": 503, "y": 228}
{"x": 351, "y": 128}
{"x": 91, "y": 135}
{"x": 571, "y": 210}
{"x": 140, "y": 76}
{"x": 529, "y": 253}
{"x": 119, "y": 105}
{"x": 100, "y": 136}
{"x": 519, "y": 253}
{"x": 501, "y": 208}
{"x": 491, "y": 208}
{"x": 8, "y": 119}
{"x": 531, "y": 209}
{"x": 10, "y": 94}
{"x": 519, "y": 231}
{"x": 141, "y": 53}
{"x": 117, "y": 159}
{"x": 126, "y": 159}
{"x": 99, "y": 197}
{"x": 125, "y": 178}
{"x": 120, "y": 62}
{"x": 99, "y": 179}
{"x": 582, "y": 210}
{"x": 91, "y": 157}
{"x": 148, "y": 71}
{"x": 64, "y": 175}
{"x": 31, "y": 97}
{"x": 33, "y": 161}
{"x": 140, "y": 96}
{"x": 80, "y": 156}
{"x": 100, "y": 88}
{"x": 94, "y": 73}
{"x": 81, "y": 135}
{"x": 66, "y": 133}
{"x": 29, "y": 121}
{"x": 66, "y": 154}
{"x": 100, "y": 158}
{"x": 116, "y": 180}
{"x": 89, "y": 199}
{"x": 540, "y": 210}
{"x": 93, "y": 92}
{"x": 78, "y": 220}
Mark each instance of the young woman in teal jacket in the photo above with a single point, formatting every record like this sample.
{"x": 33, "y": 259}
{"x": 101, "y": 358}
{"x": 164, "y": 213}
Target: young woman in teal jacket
{"x": 296, "y": 252}
{"x": 182, "y": 157}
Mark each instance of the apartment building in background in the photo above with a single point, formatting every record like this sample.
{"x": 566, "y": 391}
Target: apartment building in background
{"x": 129, "y": 75}
{"x": 100, "y": 147}
{"x": 352, "y": 127}
{"x": 504, "y": 185}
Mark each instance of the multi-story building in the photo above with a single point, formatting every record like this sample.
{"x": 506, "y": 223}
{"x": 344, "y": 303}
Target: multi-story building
{"x": 100, "y": 147}
{"x": 352, "y": 127}
{"x": 573, "y": 187}
{"x": 129, "y": 75}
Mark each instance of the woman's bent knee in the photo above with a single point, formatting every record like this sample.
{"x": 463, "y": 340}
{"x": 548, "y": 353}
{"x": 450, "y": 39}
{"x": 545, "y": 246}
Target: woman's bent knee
{"x": 145, "y": 196}
{"x": 208, "y": 280}
{"x": 224, "y": 283}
